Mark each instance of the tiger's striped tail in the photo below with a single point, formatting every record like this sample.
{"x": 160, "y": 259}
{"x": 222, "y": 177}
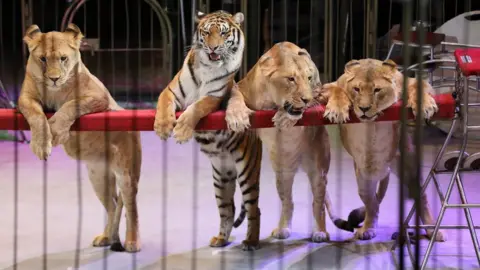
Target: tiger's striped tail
{"x": 241, "y": 217}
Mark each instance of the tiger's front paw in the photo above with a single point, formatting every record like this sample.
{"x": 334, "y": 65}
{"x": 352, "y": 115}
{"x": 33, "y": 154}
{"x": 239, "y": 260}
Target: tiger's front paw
{"x": 336, "y": 113}
{"x": 218, "y": 241}
{"x": 60, "y": 128}
{"x": 164, "y": 123}
{"x": 283, "y": 120}
{"x": 237, "y": 117}
{"x": 184, "y": 128}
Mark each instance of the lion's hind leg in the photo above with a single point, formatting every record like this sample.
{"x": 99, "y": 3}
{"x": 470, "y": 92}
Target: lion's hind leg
{"x": 103, "y": 183}
{"x": 367, "y": 191}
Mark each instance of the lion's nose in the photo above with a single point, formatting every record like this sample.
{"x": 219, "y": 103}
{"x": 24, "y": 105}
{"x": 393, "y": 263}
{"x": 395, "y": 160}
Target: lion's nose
{"x": 365, "y": 109}
{"x": 54, "y": 79}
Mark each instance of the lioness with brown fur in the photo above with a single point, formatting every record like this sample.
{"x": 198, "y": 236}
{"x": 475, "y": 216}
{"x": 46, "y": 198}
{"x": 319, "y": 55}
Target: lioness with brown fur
{"x": 285, "y": 78}
{"x": 370, "y": 86}
{"x": 57, "y": 79}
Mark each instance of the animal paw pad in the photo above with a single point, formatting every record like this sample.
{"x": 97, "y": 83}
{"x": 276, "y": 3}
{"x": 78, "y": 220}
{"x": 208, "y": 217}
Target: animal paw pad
{"x": 365, "y": 234}
{"x": 319, "y": 237}
{"x": 281, "y": 233}
{"x": 101, "y": 241}
{"x": 218, "y": 241}
{"x": 182, "y": 133}
{"x": 132, "y": 246}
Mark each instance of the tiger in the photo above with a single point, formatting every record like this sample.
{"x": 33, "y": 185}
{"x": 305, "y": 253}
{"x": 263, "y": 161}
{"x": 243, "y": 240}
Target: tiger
{"x": 286, "y": 79}
{"x": 57, "y": 79}
{"x": 200, "y": 87}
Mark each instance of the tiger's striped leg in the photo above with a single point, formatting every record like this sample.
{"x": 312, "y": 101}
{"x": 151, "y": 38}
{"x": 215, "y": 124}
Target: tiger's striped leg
{"x": 248, "y": 159}
{"x": 224, "y": 175}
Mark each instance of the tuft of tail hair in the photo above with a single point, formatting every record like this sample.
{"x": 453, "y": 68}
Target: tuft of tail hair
{"x": 343, "y": 225}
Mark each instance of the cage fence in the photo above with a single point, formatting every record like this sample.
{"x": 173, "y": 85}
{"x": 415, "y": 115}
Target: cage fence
{"x": 135, "y": 48}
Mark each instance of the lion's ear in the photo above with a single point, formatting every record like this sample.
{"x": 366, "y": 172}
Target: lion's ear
{"x": 32, "y": 36}
{"x": 76, "y": 33}
{"x": 302, "y": 51}
{"x": 267, "y": 65}
{"x": 389, "y": 65}
{"x": 351, "y": 65}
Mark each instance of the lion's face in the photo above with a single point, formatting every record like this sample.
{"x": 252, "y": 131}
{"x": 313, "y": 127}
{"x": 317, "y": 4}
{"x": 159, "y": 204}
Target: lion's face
{"x": 53, "y": 55}
{"x": 293, "y": 79}
{"x": 370, "y": 85}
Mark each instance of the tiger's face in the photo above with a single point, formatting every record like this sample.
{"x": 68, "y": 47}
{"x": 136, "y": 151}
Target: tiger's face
{"x": 218, "y": 35}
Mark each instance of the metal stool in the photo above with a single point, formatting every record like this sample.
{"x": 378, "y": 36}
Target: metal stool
{"x": 431, "y": 40}
{"x": 454, "y": 163}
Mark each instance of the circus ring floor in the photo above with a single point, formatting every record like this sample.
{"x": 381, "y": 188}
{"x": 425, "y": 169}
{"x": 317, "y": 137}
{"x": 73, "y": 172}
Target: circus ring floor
{"x": 181, "y": 245}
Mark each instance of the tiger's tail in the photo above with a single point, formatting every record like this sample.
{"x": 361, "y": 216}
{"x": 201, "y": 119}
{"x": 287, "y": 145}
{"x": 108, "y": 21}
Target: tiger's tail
{"x": 241, "y": 217}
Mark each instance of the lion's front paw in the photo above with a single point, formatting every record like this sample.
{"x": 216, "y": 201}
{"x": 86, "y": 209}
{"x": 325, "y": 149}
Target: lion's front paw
{"x": 237, "y": 117}
{"x": 281, "y": 233}
{"x": 163, "y": 126}
{"x": 283, "y": 120}
{"x": 60, "y": 128}
{"x": 336, "y": 114}
{"x": 429, "y": 108}
{"x": 41, "y": 145}
{"x": 184, "y": 128}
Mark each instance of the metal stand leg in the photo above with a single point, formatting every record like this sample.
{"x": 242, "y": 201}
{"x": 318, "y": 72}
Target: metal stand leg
{"x": 462, "y": 104}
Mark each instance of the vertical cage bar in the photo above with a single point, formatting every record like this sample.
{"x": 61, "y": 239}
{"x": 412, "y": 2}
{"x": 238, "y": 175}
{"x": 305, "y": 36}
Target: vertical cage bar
{"x": 406, "y": 26}
{"x": 416, "y": 193}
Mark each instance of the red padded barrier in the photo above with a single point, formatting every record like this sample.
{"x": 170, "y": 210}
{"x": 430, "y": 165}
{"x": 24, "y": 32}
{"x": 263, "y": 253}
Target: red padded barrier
{"x": 143, "y": 120}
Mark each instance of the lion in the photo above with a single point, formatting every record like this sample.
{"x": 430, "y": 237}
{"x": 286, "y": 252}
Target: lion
{"x": 56, "y": 79}
{"x": 370, "y": 86}
{"x": 285, "y": 78}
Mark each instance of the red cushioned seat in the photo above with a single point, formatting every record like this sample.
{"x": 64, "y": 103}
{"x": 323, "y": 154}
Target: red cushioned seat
{"x": 468, "y": 61}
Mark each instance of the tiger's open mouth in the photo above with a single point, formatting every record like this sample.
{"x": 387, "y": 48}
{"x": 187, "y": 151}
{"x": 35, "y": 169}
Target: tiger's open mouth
{"x": 214, "y": 57}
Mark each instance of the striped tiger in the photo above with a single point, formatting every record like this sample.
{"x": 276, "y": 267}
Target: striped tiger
{"x": 199, "y": 88}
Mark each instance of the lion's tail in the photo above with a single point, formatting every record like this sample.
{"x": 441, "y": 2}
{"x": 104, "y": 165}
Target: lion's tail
{"x": 357, "y": 216}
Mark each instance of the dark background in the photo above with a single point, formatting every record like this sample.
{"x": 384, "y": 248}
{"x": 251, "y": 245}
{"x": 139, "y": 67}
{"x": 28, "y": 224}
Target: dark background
{"x": 141, "y": 76}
